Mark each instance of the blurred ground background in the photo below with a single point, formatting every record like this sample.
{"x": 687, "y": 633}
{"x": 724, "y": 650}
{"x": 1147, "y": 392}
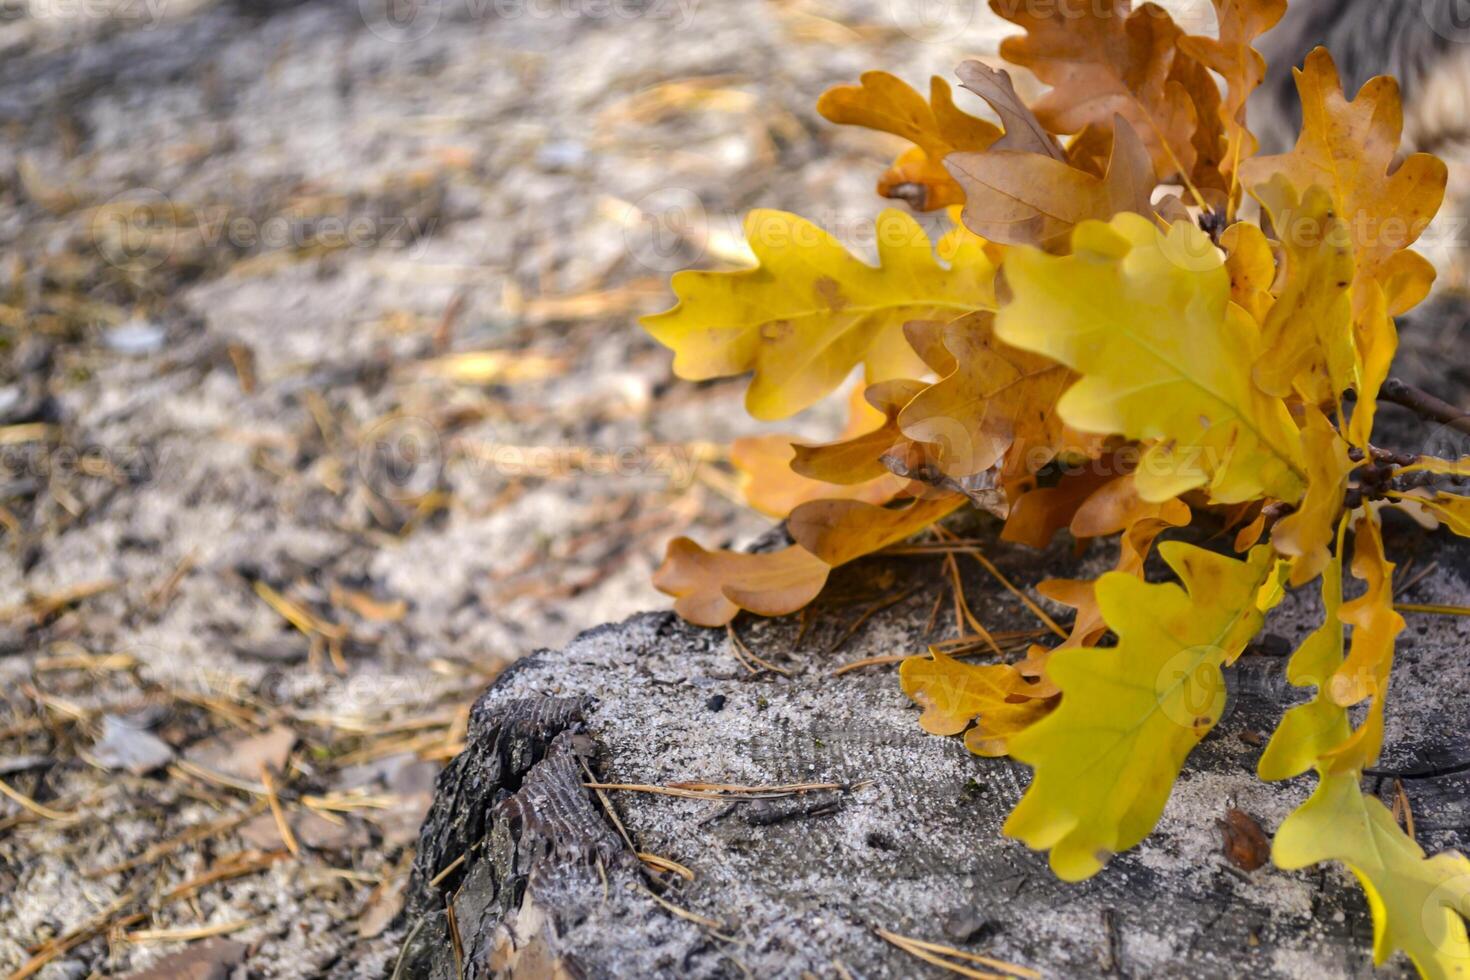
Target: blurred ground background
{"x": 322, "y": 400}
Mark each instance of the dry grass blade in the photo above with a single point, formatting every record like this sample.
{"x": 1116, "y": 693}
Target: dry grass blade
{"x": 867, "y": 614}
{"x": 960, "y": 647}
{"x": 1432, "y": 609}
{"x": 70, "y": 940}
{"x": 1026, "y": 600}
{"x": 185, "y": 935}
{"x": 927, "y": 951}
{"x": 190, "y": 836}
{"x": 278, "y": 812}
{"x": 448, "y": 870}
{"x": 42, "y": 607}
{"x": 719, "y": 791}
{"x": 666, "y": 864}
{"x": 963, "y": 614}
{"x": 744, "y": 653}
{"x": 684, "y": 913}
{"x": 26, "y": 803}
{"x": 235, "y": 866}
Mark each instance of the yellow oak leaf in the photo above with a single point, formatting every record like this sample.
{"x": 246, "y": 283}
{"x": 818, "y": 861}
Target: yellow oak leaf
{"x": 1023, "y": 198}
{"x": 998, "y": 406}
{"x": 1106, "y": 758}
{"x": 1145, "y": 318}
{"x": 777, "y": 475}
{"x": 711, "y": 587}
{"x": 1308, "y": 333}
{"x": 1417, "y": 903}
{"x": 1350, "y": 148}
{"x": 1366, "y": 671}
{"x": 1252, "y": 268}
{"x": 837, "y": 531}
{"x": 1433, "y": 464}
{"x": 1311, "y": 729}
{"x": 1452, "y": 510}
{"x": 811, "y": 312}
{"x": 1104, "y": 59}
{"x": 1376, "y": 341}
{"x": 956, "y": 696}
{"x": 1230, "y": 53}
{"x": 1306, "y": 534}
{"x": 936, "y": 127}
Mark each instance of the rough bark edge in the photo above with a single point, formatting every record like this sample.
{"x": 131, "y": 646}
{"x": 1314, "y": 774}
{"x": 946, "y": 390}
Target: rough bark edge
{"x": 510, "y": 815}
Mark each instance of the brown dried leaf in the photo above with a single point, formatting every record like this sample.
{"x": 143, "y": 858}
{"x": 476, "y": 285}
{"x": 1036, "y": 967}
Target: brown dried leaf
{"x": 711, "y": 587}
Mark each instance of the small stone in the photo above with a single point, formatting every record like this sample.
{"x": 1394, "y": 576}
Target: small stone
{"x": 966, "y": 926}
{"x": 126, "y": 746}
{"x": 562, "y": 155}
{"x": 135, "y": 337}
{"x": 1271, "y": 645}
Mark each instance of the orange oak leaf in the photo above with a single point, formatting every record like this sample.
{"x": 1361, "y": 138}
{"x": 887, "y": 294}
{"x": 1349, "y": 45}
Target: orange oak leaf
{"x": 773, "y": 481}
{"x": 997, "y": 406}
{"x": 956, "y": 696}
{"x": 1023, "y": 131}
{"x": 1022, "y": 198}
{"x": 936, "y": 127}
{"x": 1252, "y": 268}
{"x": 1113, "y": 508}
{"x": 1231, "y": 55}
{"x": 837, "y": 531}
{"x": 859, "y": 458}
{"x": 1038, "y": 514}
{"x": 711, "y": 587}
{"x": 1104, "y": 59}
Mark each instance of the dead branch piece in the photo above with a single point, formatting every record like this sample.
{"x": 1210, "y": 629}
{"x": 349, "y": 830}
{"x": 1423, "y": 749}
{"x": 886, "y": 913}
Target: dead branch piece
{"x": 1425, "y": 405}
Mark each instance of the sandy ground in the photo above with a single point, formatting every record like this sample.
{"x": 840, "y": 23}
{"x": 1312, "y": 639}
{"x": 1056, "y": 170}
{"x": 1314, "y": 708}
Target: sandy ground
{"x": 258, "y": 511}
{"x": 322, "y": 400}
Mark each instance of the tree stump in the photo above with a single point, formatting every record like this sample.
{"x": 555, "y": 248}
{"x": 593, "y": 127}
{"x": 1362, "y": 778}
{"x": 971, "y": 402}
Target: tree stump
{"x": 522, "y": 871}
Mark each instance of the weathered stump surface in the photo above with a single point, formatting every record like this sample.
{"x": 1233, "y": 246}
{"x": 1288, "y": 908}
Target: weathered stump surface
{"x": 545, "y": 886}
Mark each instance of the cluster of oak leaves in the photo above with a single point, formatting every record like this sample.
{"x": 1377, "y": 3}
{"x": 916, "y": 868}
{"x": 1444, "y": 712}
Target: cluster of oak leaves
{"x": 1115, "y": 353}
